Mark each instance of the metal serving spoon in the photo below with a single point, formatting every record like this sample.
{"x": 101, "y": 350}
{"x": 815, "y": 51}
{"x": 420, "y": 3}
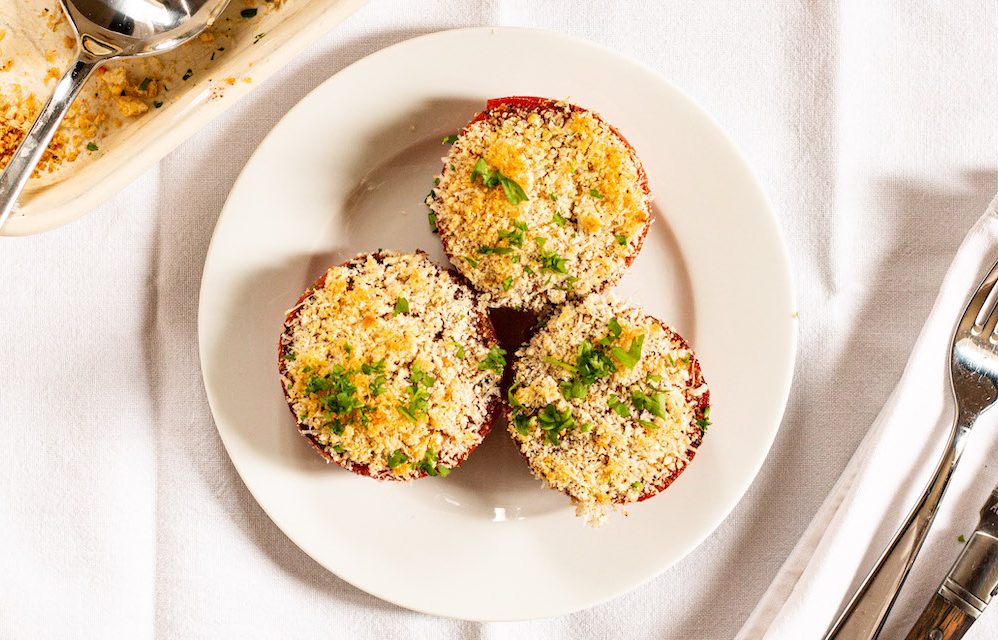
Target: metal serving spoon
{"x": 105, "y": 30}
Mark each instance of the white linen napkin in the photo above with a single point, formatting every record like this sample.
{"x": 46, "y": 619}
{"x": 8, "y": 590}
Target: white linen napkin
{"x": 886, "y": 475}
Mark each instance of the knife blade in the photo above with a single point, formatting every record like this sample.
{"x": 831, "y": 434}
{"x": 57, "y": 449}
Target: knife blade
{"x": 970, "y": 585}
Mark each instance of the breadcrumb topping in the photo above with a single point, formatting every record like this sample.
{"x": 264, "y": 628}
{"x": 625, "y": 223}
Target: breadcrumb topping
{"x": 566, "y": 211}
{"x": 388, "y": 366}
{"x": 608, "y": 404}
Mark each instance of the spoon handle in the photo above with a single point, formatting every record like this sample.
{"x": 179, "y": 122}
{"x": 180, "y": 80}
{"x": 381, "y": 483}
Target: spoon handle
{"x": 30, "y": 151}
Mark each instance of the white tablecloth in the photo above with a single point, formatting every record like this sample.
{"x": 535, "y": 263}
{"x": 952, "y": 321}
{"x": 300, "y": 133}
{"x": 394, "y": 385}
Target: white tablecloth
{"x": 872, "y": 127}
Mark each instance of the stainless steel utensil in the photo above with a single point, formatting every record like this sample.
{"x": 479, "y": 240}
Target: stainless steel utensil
{"x": 105, "y": 30}
{"x": 968, "y": 588}
{"x": 974, "y": 380}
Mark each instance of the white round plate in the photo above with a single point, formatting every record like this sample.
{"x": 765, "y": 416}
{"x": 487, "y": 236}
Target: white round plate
{"x": 346, "y": 171}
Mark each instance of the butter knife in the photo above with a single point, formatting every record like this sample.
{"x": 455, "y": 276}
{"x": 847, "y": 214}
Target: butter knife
{"x": 970, "y": 585}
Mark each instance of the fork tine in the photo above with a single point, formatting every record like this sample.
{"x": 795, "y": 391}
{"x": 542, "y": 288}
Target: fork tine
{"x": 987, "y": 308}
{"x": 981, "y": 305}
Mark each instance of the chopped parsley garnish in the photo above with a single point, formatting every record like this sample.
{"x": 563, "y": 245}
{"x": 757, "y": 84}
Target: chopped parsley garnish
{"x": 521, "y": 422}
{"x": 558, "y": 363}
{"x": 615, "y": 330}
{"x": 507, "y": 283}
{"x": 396, "y": 458}
{"x": 514, "y": 259}
{"x": 705, "y": 422}
{"x": 494, "y": 361}
{"x": 377, "y": 370}
{"x": 471, "y": 261}
{"x": 621, "y": 239}
{"x": 451, "y": 139}
{"x": 337, "y": 394}
{"x": 637, "y": 485}
{"x": 289, "y": 356}
{"x": 514, "y": 237}
{"x": 630, "y": 357}
{"x": 492, "y": 178}
{"x": 188, "y": 74}
{"x": 596, "y": 194}
{"x": 551, "y": 261}
{"x": 528, "y": 270}
{"x": 373, "y": 367}
{"x": 558, "y": 219}
{"x": 91, "y": 146}
{"x": 961, "y": 538}
{"x": 338, "y": 448}
{"x": 431, "y": 217}
{"x": 653, "y": 403}
{"x": 419, "y": 394}
{"x": 348, "y": 347}
{"x": 429, "y": 464}
{"x": 460, "y": 349}
{"x": 144, "y": 84}
{"x": 486, "y": 249}
{"x": 553, "y": 422}
{"x": 248, "y": 13}
{"x": 622, "y": 409}
{"x": 401, "y": 306}
{"x": 553, "y": 197}
{"x": 591, "y": 364}
{"x": 436, "y": 182}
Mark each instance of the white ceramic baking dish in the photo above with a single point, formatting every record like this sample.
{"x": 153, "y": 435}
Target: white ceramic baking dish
{"x": 142, "y": 142}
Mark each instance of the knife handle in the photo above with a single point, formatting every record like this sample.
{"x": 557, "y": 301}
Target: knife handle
{"x": 940, "y": 621}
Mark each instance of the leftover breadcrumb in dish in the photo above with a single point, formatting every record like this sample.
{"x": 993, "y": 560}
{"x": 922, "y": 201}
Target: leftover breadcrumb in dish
{"x": 37, "y": 45}
{"x": 608, "y": 405}
{"x": 391, "y": 368}
{"x": 540, "y": 202}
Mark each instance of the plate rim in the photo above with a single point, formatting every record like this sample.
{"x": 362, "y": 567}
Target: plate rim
{"x": 788, "y": 366}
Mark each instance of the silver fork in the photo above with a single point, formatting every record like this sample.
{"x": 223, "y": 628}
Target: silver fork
{"x": 974, "y": 379}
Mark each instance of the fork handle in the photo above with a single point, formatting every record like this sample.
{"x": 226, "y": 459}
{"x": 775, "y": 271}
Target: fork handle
{"x": 866, "y": 612}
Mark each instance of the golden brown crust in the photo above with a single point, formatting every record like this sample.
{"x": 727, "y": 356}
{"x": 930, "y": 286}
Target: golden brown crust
{"x": 482, "y": 323}
{"x": 613, "y": 449}
{"x": 498, "y": 108}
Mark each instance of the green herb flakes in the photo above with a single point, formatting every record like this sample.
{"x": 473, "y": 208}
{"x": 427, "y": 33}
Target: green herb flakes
{"x": 396, "y": 458}
{"x": 248, "y": 13}
{"x": 401, "y": 306}
{"x": 596, "y": 194}
{"x": 492, "y": 178}
{"x": 91, "y": 146}
{"x": 619, "y": 407}
{"x": 451, "y": 139}
{"x": 630, "y": 357}
{"x": 554, "y": 422}
{"x": 495, "y": 360}
{"x": 419, "y": 394}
